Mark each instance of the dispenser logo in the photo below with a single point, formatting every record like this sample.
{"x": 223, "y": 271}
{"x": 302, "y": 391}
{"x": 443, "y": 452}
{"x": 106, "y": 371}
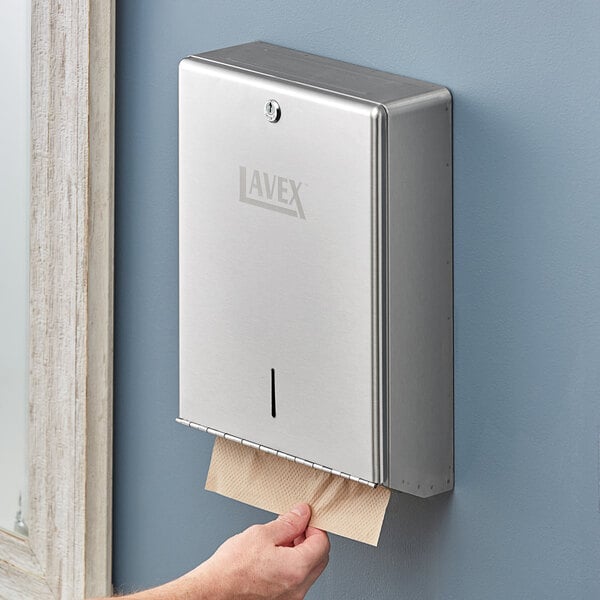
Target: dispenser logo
{"x": 280, "y": 194}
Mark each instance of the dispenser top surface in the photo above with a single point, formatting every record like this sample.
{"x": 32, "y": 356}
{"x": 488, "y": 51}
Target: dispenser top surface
{"x": 319, "y": 72}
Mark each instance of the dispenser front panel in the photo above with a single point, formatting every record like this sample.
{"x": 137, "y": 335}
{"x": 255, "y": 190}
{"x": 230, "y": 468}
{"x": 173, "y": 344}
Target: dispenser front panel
{"x": 277, "y": 301}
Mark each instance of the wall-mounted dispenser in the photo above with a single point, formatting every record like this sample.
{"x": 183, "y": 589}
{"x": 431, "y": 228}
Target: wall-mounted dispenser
{"x": 316, "y": 263}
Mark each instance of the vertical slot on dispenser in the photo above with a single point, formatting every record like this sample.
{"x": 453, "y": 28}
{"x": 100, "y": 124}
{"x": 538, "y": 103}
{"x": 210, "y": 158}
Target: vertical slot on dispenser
{"x": 273, "y": 404}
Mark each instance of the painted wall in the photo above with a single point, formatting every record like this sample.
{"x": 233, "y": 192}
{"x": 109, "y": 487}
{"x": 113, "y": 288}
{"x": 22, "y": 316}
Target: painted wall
{"x": 524, "y": 520}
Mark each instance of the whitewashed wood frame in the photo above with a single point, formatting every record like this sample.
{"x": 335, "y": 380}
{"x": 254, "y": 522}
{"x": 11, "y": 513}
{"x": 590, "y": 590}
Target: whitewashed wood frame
{"x": 67, "y": 555}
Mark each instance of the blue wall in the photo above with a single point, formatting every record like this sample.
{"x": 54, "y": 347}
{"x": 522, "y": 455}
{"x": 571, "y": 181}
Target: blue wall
{"x": 524, "y": 520}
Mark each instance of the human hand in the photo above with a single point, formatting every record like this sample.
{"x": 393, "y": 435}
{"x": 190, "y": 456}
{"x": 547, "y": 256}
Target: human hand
{"x": 276, "y": 561}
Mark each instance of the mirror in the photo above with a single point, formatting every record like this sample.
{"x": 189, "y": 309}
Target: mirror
{"x": 15, "y": 27}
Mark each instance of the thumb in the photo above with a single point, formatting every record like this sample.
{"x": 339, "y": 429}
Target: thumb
{"x": 287, "y": 527}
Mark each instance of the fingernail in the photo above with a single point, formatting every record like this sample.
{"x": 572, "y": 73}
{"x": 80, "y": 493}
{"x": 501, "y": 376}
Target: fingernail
{"x": 300, "y": 509}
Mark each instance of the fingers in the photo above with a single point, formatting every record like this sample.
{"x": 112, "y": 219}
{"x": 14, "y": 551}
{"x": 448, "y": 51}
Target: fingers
{"x": 289, "y": 526}
{"x": 315, "y": 548}
{"x": 299, "y": 539}
{"x": 316, "y": 572}
{"x": 310, "y": 530}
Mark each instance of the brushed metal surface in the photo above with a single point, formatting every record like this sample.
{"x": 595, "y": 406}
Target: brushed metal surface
{"x": 273, "y": 451}
{"x": 420, "y": 379}
{"x": 265, "y": 289}
{"x": 289, "y": 263}
{"x": 319, "y": 72}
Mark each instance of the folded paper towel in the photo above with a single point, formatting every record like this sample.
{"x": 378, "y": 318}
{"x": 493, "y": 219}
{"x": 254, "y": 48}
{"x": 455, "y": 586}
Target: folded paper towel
{"x": 339, "y": 505}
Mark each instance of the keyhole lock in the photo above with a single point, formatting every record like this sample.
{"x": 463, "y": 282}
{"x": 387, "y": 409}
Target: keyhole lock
{"x": 272, "y": 111}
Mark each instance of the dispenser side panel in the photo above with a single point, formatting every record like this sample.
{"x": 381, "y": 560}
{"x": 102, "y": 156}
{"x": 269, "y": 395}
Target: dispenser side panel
{"x": 420, "y": 295}
{"x": 275, "y": 265}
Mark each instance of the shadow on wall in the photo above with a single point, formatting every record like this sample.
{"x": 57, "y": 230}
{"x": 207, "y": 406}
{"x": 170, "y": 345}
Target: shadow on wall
{"x": 412, "y": 528}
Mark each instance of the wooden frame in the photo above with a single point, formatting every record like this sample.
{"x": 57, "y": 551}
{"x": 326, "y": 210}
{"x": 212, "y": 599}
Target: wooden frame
{"x": 68, "y": 552}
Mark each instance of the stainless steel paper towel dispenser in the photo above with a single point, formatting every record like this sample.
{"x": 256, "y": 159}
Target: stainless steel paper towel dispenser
{"x": 315, "y": 224}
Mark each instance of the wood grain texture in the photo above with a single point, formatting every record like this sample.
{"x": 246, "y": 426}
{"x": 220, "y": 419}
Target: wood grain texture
{"x": 68, "y": 552}
{"x": 98, "y": 547}
{"x": 18, "y": 584}
{"x": 16, "y": 551}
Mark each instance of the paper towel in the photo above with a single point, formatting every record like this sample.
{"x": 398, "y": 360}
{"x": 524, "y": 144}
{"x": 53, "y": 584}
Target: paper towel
{"x": 339, "y": 505}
